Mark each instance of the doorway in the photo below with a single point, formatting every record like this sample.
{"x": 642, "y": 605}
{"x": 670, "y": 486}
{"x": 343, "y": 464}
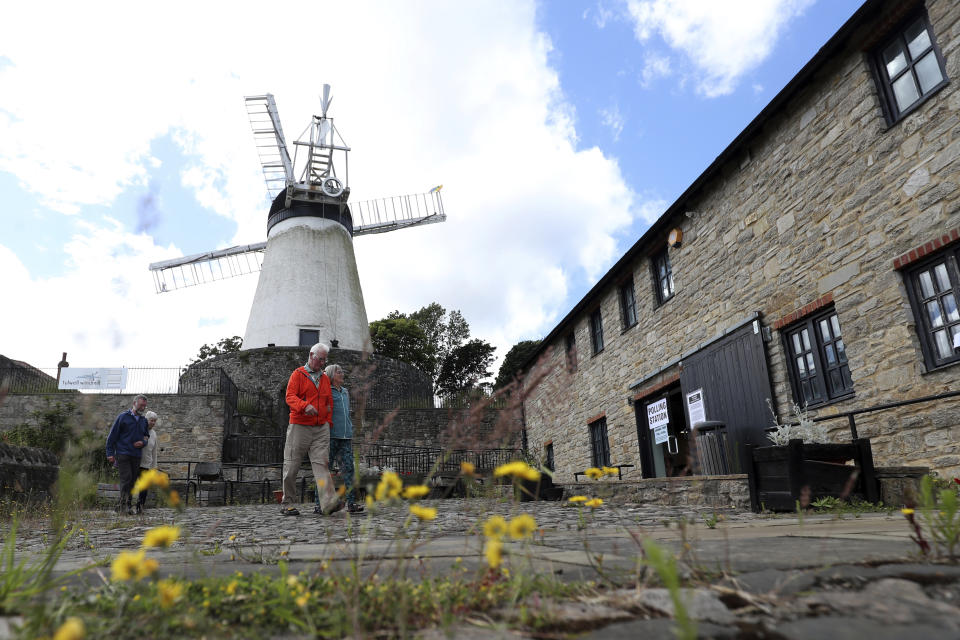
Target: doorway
{"x": 670, "y": 457}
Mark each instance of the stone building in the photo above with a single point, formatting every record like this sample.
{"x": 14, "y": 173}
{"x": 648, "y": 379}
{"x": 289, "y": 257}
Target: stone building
{"x": 815, "y": 262}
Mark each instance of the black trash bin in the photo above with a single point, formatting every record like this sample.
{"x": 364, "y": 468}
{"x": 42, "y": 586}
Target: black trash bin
{"x": 712, "y": 449}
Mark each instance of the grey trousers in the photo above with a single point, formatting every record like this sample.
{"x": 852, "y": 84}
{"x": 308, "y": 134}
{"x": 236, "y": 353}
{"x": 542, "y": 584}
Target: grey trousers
{"x": 314, "y": 441}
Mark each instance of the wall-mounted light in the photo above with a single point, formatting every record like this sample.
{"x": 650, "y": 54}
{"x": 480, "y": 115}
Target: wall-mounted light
{"x": 675, "y": 237}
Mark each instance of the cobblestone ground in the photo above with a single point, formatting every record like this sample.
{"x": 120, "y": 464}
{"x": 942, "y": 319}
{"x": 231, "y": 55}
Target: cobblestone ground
{"x": 749, "y": 576}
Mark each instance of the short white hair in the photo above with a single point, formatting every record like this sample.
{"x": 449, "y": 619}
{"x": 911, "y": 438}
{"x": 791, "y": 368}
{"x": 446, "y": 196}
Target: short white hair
{"x": 150, "y": 415}
{"x": 332, "y": 369}
{"x": 319, "y": 347}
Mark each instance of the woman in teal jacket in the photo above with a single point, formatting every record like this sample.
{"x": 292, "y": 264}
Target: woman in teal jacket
{"x": 341, "y": 435}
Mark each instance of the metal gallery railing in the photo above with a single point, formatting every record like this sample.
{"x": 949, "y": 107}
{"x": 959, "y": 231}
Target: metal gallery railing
{"x": 201, "y": 380}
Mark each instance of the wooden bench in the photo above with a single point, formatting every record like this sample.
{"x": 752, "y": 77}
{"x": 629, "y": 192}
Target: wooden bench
{"x": 618, "y": 467}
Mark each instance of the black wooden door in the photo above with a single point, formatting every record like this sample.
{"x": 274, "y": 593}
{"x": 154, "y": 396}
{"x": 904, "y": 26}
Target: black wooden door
{"x": 736, "y": 385}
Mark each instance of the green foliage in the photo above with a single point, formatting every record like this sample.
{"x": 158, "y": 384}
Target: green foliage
{"x": 940, "y": 517}
{"x": 466, "y": 366}
{"x": 402, "y": 339}
{"x": 516, "y": 357}
{"x": 51, "y": 429}
{"x": 437, "y": 343}
{"x": 666, "y": 567}
{"x": 225, "y": 345}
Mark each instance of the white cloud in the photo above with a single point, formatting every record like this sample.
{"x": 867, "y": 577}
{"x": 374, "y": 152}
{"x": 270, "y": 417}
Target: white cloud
{"x": 454, "y": 93}
{"x": 654, "y": 66}
{"x": 611, "y": 118}
{"x": 721, "y": 40}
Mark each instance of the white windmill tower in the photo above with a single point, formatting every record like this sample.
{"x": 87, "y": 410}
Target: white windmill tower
{"x": 309, "y": 288}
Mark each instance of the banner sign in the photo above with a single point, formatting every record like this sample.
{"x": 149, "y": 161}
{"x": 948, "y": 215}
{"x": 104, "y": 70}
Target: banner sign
{"x": 96, "y": 378}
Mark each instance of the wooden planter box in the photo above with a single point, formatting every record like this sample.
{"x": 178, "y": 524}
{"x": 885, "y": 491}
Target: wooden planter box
{"x": 778, "y": 475}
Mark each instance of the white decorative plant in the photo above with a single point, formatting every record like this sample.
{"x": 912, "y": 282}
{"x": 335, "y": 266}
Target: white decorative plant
{"x": 807, "y": 430}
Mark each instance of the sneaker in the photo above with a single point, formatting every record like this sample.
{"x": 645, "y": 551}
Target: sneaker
{"x": 317, "y": 510}
{"x": 289, "y": 511}
{"x": 337, "y": 507}
{"x": 139, "y": 510}
{"x": 354, "y": 507}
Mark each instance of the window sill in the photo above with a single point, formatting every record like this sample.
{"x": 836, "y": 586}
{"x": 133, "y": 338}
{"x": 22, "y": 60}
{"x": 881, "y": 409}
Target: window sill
{"x": 596, "y": 353}
{"x": 663, "y": 302}
{"x": 831, "y": 401}
{"x": 939, "y": 368}
{"x": 625, "y": 329}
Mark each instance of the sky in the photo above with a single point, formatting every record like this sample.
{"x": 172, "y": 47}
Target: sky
{"x": 559, "y": 130}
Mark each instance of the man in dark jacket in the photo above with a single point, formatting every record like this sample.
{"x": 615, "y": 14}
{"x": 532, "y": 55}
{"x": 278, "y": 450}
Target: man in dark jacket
{"x": 125, "y": 442}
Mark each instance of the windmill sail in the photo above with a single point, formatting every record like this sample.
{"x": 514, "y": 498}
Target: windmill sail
{"x": 271, "y": 145}
{"x": 210, "y": 266}
{"x": 399, "y": 212}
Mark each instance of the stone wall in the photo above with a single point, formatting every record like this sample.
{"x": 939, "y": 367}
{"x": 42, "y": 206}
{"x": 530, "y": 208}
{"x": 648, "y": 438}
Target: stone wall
{"x": 384, "y": 382}
{"x": 27, "y": 472}
{"x": 191, "y": 426}
{"x": 816, "y": 205}
{"x": 452, "y": 428}
{"x": 716, "y": 491}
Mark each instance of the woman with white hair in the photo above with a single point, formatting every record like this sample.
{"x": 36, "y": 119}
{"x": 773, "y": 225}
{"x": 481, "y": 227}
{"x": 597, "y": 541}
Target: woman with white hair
{"x": 149, "y": 458}
{"x": 341, "y": 437}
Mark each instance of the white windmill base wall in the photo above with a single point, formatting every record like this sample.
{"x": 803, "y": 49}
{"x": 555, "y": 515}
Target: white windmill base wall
{"x": 309, "y": 280}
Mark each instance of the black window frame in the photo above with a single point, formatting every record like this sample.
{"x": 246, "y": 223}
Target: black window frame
{"x": 628, "y": 304}
{"x": 926, "y": 331}
{"x": 596, "y": 331}
{"x": 548, "y": 460}
{"x": 888, "y": 100}
{"x": 315, "y": 332}
{"x": 816, "y": 347}
{"x": 599, "y": 443}
{"x": 663, "y": 286}
{"x": 570, "y": 351}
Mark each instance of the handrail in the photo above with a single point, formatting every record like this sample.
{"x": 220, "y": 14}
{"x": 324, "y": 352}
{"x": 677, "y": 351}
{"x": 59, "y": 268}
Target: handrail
{"x": 851, "y": 415}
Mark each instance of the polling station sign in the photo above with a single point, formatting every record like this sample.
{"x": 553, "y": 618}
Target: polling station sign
{"x": 658, "y": 419}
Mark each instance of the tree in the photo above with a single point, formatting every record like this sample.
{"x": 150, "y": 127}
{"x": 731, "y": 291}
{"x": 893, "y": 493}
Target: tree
{"x": 464, "y": 367}
{"x": 515, "y": 358}
{"x": 439, "y": 348}
{"x": 401, "y": 338}
{"x": 225, "y": 345}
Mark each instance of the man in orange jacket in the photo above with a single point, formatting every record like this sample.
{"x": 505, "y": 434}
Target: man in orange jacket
{"x": 311, "y": 404}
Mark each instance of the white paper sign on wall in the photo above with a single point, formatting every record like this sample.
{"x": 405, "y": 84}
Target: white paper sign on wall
{"x": 660, "y": 434}
{"x": 695, "y": 407}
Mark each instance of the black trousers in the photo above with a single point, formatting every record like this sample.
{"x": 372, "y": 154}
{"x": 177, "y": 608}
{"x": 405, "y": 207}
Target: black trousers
{"x": 142, "y": 498}
{"x": 129, "y": 467}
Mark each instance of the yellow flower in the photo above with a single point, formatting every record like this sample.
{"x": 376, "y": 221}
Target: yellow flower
{"x": 124, "y": 566}
{"x": 302, "y": 600}
{"x": 136, "y": 597}
{"x": 907, "y": 511}
{"x": 369, "y": 501}
{"x": 424, "y": 513}
{"x": 517, "y": 469}
{"x": 285, "y": 553}
{"x": 162, "y": 536}
{"x": 389, "y": 486}
{"x": 173, "y": 499}
{"x": 610, "y": 471}
{"x": 578, "y": 499}
{"x": 593, "y": 504}
{"x": 415, "y": 491}
{"x": 169, "y": 592}
{"x": 522, "y": 526}
{"x": 232, "y": 588}
{"x": 467, "y": 468}
{"x": 72, "y": 629}
{"x": 149, "y": 479}
{"x": 593, "y": 473}
{"x": 495, "y": 527}
{"x": 494, "y": 552}
{"x": 233, "y": 537}
{"x": 292, "y": 581}
{"x": 147, "y": 568}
